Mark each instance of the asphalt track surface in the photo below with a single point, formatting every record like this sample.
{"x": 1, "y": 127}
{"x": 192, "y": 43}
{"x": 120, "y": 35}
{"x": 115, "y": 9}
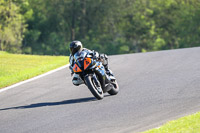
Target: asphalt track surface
{"x": 155, "y": 87}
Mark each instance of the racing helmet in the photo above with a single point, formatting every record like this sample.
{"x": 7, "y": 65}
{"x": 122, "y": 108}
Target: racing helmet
{"x": 75, "y": 46}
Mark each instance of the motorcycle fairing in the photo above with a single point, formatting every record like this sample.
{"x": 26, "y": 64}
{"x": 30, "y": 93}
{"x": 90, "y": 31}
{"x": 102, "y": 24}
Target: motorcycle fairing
{"x": 100, "y": 68}
{"x": 87, "y": 62}
{"x": 76, "y": 69}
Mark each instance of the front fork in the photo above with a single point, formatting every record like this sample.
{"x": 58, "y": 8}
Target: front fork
{"x": 102, "y": 79}
{"x": 94, "y": 77}
{"x": 96, "y": 80}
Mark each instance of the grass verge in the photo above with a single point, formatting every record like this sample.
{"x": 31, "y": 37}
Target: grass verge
{"x": 187, "y": 124}
{"x": 17, "y": 67}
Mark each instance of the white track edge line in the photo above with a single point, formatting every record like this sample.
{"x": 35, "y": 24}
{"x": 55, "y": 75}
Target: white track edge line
{"x": 34, "y": 78}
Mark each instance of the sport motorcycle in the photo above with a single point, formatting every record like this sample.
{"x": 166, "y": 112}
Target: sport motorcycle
{"x": 93, "y": 74}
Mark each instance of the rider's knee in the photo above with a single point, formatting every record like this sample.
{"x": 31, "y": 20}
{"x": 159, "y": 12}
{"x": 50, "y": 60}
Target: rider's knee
{"x": 104, "y": 59}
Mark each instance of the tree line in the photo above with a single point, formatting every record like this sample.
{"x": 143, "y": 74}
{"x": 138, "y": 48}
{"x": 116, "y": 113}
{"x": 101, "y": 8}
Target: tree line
{"x": 46, "y": 27}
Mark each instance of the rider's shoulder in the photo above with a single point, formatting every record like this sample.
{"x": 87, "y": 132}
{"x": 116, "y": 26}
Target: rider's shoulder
{"x": 85, "y": 49}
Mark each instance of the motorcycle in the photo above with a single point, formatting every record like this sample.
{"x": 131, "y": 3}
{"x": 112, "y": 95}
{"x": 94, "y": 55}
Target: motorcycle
{"x": 93, "y": 74}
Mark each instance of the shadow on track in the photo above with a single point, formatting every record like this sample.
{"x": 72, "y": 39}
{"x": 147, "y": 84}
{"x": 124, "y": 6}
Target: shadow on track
{"x": 36, "y": 105}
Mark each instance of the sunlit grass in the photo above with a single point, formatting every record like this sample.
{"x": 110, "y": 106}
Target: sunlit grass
{"x": 187, "y": 124}
{"x": 18, "y": 67}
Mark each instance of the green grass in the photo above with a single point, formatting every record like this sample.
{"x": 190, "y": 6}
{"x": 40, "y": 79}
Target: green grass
{"x": 17, "y": 67}
{"x": 187, "y": 124}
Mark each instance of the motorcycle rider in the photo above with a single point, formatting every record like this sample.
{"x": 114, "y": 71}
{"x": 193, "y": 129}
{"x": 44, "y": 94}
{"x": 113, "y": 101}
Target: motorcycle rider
{"x": 76, "y": 46}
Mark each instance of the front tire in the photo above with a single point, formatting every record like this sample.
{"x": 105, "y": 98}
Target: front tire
{"x": 96, "y": 91}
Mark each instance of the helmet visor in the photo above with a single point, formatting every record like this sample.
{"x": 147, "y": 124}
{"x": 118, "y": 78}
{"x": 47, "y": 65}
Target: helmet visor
{"x": 74, "y": 50}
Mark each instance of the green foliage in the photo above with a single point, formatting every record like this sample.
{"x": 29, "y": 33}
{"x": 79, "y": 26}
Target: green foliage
{"x": 12, "y": 27}
{"x": 109, "y": 26}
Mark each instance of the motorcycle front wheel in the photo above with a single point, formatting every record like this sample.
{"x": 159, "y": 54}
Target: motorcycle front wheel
{"x": 95, "y": 90}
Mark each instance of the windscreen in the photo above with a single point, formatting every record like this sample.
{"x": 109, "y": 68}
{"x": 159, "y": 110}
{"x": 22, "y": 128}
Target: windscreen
{"x": 80, "y": 55}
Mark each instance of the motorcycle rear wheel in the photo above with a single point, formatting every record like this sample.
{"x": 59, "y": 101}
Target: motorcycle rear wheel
{"x": 115, "y": 88}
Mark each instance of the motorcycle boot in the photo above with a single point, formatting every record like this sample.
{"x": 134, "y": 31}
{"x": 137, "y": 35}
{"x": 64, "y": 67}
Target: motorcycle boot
{"x": 104, "y": 60}
{"x": 108, "y": 71}
{"x": 76, "y": 80}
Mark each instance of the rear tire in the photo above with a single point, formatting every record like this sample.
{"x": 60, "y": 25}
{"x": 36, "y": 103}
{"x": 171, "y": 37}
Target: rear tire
{"x": 96, "y": 91}
{"x": 115, "y": 89}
